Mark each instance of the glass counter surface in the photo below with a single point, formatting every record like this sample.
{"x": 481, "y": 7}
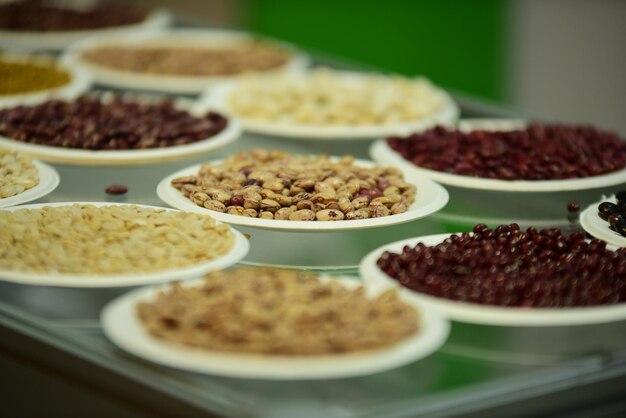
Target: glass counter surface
{"x": 454, "y": 381}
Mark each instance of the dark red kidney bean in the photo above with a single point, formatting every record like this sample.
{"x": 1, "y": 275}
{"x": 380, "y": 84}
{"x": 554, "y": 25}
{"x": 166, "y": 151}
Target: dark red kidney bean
{"x": 510, "y": 267}
{"x": 116, "y": 189}
{"x": 48, "y": 16}
{"x": 538, "y": 152}
{"x": 121, "y": 124}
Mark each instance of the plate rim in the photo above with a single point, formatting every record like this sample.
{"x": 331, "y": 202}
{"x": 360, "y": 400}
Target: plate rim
{"x": 381, "y": 152}
{"x": 49, "y": 180}
{"x": 483, "y": 314}
{"x": 216, "y": 96}
{"x": 431, "y": 336}
{"x": 57, "y": 40}
{"x": 238, "y": 251}
{"x": 75, "y": 156}
{"x": 437, "y": 200}
{"x": 169, "y": 83}
{"x": 79, "y": 83}
{"x": 589, "y": 220}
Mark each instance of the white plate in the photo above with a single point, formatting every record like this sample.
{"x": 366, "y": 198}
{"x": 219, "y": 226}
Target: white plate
{"x": 48, "y": 181}
{"x": 78, "y": 84}
{"x": 237, "y": 252}
{"x": 122, "y": 326}
{"x": 57, "y": 40}
{"x": 168, "y": 83}
{"x": 382, "y": 153}
{"x": 129, "y": 157}
{"x": 217, "y": 96}
{"x": 598, "y": 227}
{"x": 483, "y": 314}
{"x": 430, "y": 198}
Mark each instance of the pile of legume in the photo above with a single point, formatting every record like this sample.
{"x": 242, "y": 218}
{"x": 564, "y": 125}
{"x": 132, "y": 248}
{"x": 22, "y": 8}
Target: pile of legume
{"x": 31, "y": 15}
{"x": 277, "y": 312}
{"x": 189, "y": 60}
{"x": 116, "y": 124}
{"x": 23, "y": 76}
{"x": 326, "y": 97}
{"x": 277, "y": 185}
{"x": 538, "y": 152}
{"x": 510, "y": 267}
{"x": 17, "y": 174}
{"x": 84, "y": 239}
{"x": 615, "y": 213}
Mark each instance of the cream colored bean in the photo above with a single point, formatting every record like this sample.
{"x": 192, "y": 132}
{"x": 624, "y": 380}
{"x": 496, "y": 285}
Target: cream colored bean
{"x": 302, "y": 215}
{"x": 215, "y": 205}
{"x": 329, "y": 215}
{"x": 84, "y": 239}
{"x": 17, "y": 174}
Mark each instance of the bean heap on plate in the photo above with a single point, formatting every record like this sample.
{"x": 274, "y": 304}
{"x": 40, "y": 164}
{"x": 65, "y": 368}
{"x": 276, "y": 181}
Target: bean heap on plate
{"x": 17, "y": 174}
{"x": 277, "y": 185}
{"x": 107, "y": 123}
{"x": 277, "y": 312}
{"x": 29, "y": 76}
{"x": 44, "y": 16}
{"x": 330, "y": 98}
{"x": 538, "y": 152}
{"x": 510, "y": 267}
{"x": 85, "y": 239}
{"x": 190, "y": 60}
{"x": 615, "y": 213}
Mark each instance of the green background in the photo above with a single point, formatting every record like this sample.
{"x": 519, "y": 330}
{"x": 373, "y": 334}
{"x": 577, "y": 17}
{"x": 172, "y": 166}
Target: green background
{"x": 458, "y": 44}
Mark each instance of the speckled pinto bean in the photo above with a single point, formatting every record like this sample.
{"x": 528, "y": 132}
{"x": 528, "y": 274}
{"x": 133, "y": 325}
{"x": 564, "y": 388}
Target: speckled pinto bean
{"x": 277, "y": 185}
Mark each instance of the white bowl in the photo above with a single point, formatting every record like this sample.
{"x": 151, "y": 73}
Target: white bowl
{"x": 124, "y": 79}
{"x": 429, "y": 199}
{"x": 598, "y": 227}
{"x": 237, "y": 252}
{"x": 57, "y": 40}
{"x": 218, "y": 96}
{"x": 48, "y": 181}
{"x": 79, "y": 82}
{"x": 76, "y": 156}
{"x": 122, "y": 326}
{"x": 485, "y": 314}
{"x": 383, "y": 154}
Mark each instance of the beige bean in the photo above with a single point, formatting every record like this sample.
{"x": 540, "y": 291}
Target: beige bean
{"x": 329, "y": 215}
{"x": 250, "y": 213}
{"x": 215, "y": 205}
{"x": 235, "y": 210}
{"x": 379, "y": 211}
{"x": 302, "y": 215}
{"x": 283, "y": 213}
{"x": 358, "y": 214}
{"x": 398, "y": 208}
{"x": 360, "y": 202}
{"x": 269, "y": 205}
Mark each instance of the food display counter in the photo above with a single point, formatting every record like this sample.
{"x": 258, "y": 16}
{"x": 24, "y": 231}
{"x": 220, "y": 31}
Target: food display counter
{"x": 51, "y": 340}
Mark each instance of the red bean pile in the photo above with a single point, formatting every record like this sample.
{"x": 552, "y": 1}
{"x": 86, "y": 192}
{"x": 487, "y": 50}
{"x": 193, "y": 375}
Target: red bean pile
{"x": 37, "y": 15}
{"x": 119, "y": 124}
{"x": 538, "y": 152}
{"x": 506, "y": 266}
